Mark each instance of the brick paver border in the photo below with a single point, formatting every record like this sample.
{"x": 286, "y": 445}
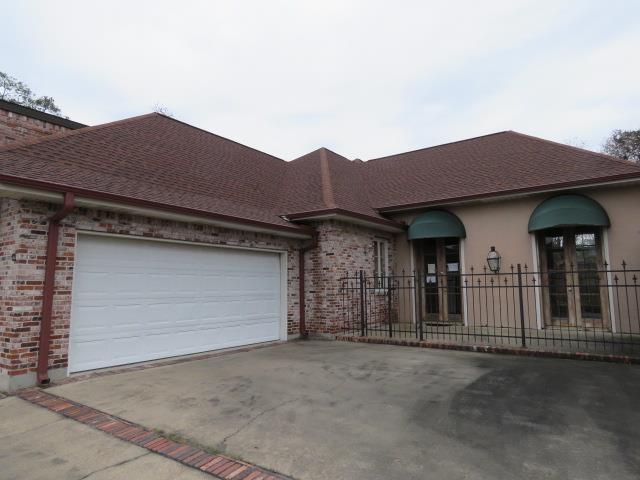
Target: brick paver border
{"x": 219, "y": 466}
{"x": 527, "y": 352}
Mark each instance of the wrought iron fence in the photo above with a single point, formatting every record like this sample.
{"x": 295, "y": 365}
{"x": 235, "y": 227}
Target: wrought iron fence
{"x": 571, "y": 310}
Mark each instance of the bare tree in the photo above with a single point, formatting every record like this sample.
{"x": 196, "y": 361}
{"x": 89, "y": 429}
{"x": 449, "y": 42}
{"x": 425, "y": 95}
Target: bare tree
{"x": 162, "y": 109}
{"x": 13, "y": 90}
{"x": 576, "y": 142}
{"x": 624, "y": 144}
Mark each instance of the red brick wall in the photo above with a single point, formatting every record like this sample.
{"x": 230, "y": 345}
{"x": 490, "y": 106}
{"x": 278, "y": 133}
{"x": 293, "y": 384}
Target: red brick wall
{"x": 23, "y": 232}
{"x": 342, "y": 249}
{"x": 18, "y": 128}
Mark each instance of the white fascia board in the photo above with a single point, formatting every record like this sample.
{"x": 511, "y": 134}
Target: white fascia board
{"x": 12, "y": 191}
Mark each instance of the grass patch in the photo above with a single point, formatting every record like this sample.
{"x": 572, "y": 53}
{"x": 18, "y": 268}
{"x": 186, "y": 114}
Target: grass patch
{"x": 178, "y": 438}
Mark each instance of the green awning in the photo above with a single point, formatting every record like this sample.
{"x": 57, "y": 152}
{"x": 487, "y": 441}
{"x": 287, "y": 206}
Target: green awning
{"x": 568, "y": 211}
{"x": 436, "y": 224}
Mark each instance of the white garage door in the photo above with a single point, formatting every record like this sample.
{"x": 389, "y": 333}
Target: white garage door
{"x": 137, "y": 300}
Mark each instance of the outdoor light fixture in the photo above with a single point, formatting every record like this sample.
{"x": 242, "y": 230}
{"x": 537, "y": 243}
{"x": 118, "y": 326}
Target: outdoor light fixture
{"x": 493, "y": 259}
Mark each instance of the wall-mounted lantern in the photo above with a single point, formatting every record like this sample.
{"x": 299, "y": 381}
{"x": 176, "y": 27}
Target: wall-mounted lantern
{"x": 493, "y": 259}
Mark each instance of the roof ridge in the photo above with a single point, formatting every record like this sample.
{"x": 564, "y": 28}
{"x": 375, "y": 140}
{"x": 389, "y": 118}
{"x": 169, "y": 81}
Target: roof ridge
{"x": 56, "y": 136}
{"x": 552, "y": 142}
{"x": 304, "y": 155}
{"x": 325, "y": 173}
{"x": 319, "y": 152}
{"x": 335, "y": 153}
{"x": 439, "y": 145}
{"x": 219, "y": 136}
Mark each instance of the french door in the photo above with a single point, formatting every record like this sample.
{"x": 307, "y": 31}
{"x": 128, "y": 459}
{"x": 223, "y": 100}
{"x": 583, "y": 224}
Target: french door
{"x": 439, "y": 260}
{"x": 574, "y": 283}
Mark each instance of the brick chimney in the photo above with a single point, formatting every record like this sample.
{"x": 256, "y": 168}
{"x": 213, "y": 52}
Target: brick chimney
{"x": 19, "y": 123}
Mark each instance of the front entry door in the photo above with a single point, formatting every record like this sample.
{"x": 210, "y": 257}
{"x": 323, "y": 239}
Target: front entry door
{"x": 574, "y": 285}
{"x": 440, "y": 261}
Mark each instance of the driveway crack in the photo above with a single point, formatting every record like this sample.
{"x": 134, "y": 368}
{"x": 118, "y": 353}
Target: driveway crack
{"x": 37, "y": 427}
{"x": 119, "y": 464}
{"x": 253, "y": 419}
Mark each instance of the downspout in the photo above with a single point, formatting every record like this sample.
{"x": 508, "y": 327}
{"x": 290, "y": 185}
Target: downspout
{"x": 48, "y": 288}
{"x": 301, "y": 282}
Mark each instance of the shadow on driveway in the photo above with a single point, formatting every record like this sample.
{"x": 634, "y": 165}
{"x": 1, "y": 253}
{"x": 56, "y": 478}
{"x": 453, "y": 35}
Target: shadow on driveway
{"x": 317, "y": 410}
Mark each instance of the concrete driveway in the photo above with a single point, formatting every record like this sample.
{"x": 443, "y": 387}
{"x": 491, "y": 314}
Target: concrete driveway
{"x": 318, "y": 410}
{"x": 38, "y": 444}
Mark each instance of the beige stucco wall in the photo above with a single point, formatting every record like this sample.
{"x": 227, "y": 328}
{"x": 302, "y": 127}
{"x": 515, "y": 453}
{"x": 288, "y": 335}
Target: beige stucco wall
{"x": 503, "y": 224}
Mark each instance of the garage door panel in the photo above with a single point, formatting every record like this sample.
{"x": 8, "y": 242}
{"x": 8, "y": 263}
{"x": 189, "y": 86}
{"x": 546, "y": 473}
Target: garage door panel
{"x": 137, "y": 300}
{"x": 92, "y": 352}
{"x": 99, "y": 281}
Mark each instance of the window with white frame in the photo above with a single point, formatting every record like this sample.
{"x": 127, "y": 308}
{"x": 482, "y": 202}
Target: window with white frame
{"x": 380, "y": 262}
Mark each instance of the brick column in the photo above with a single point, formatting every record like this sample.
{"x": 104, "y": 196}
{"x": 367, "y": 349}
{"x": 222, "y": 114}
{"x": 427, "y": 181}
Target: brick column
{"x": 23, "y": 240}
{"x": 342, "y": 248}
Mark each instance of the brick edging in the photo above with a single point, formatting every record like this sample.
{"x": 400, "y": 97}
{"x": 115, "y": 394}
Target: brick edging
{"x": 219, "y": 466}
{"x": 599, "y": 357}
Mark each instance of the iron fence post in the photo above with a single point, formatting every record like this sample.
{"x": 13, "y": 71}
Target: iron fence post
{"x": 362, "y": 303}
{"x": 419, "y": 296}
{"x": 521, "y": 301}
{"x": 389, "y": 307}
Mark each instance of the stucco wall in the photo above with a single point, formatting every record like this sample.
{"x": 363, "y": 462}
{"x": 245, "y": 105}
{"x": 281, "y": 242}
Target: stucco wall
{"x": 23, "y": 237}
{"x": 503, "y": 224}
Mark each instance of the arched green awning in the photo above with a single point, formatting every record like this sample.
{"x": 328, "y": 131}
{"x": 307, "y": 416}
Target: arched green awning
{"x": 436, "y": 224}
{"x": 568, "y": 211}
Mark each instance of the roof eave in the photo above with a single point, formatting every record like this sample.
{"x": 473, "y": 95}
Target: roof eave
{"x": 627, "y": 178}
{"x": 38, "y": 190}
{"x": 349, "y": 217}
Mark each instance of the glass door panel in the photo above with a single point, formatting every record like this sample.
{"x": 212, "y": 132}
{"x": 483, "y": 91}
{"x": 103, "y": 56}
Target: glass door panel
{"x": 587, "y": 257}
{"x": 571, "y": 260}
{"x": 440, "y": 259}
{"x": 556, "y": 277}
{"x": 431, "y": 280}
{"x": 454, "y": 291}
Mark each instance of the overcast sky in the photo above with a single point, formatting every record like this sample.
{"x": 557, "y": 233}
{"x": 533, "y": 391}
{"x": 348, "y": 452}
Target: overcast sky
{"x": 364, "y": 78}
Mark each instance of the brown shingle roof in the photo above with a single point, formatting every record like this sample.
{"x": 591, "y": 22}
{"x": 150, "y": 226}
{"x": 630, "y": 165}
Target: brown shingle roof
{"x": 495, "y": 164}
{"x": 160, "y": 161}
{"x": 323, "y": 180}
